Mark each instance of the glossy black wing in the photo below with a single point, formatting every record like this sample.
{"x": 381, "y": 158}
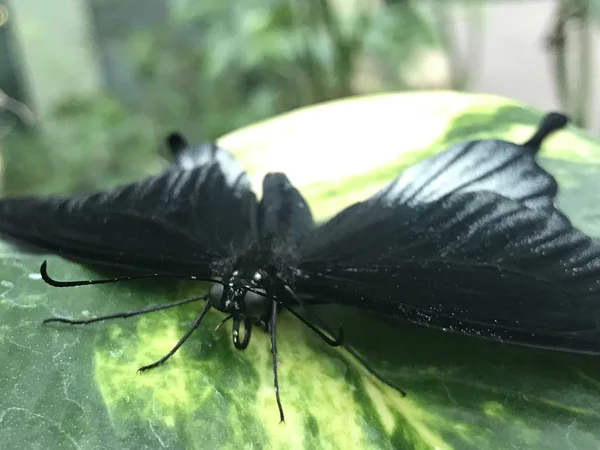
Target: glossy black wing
{"x": 199, "y": 210}
{"x": 484, "y": 165}
{"x": 473, "y": 263}
{"x": 283, "y": 212}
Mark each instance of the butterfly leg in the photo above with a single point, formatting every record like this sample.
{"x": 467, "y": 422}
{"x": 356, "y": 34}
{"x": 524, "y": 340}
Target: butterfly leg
{"x": 274, "y": 354}
{"x": 355, "y": 354}
{"x": 197, "y": 321}
{"x": 229, "y": 317}
{"x": 330, "y": 341}
{"x": 372, "y": 371}
{"x": 124, "y": 315}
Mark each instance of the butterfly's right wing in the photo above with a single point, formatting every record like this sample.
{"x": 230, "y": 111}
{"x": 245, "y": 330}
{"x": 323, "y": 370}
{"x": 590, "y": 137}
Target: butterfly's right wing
{"x": 199, "y": 210}
{"x": 493, "y": 165}
{"x": 473, "y": 263}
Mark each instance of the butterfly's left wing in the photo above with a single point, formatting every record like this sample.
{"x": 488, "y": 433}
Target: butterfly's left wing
{"x": 472, "y": 263}
{"x": 200, "y": 210}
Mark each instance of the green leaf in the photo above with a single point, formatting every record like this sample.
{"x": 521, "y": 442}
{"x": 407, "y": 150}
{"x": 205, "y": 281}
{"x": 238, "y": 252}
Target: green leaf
{"x": 77, "y": 387}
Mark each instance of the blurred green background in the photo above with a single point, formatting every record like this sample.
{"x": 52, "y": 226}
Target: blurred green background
{"x": 88, "y": 88}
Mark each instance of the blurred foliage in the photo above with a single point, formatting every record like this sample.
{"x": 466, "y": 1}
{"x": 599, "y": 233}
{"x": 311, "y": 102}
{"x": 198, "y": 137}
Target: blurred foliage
{"x": 91, "y": 142}
{"x": 212, "y": 67}
{"x": 570, "y": 46}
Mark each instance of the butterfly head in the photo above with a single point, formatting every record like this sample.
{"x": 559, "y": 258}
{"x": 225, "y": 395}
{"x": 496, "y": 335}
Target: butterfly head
{"x": 246, "y": 307}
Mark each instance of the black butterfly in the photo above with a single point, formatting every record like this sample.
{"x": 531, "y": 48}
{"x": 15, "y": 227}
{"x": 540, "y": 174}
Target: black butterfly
{"x": 467, "y": 241}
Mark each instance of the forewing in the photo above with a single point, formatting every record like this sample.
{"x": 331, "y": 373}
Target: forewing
{"x": 474, "y": 263}
{"x": 283, "y": 212}
{"x": 177, "y": 222}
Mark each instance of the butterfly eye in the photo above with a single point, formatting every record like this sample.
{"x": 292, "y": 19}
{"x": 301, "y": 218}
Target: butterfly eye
{"x": 255, "y": 304}
{"x": 215, "y": 297}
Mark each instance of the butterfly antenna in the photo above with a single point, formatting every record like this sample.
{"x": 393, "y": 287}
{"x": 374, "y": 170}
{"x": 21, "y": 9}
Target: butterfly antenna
{"x": 124, "y": 315}
{"x": 334, "y": 342}
{"x": 56, "y": 283}
{"x": 550, "y": 123}
{"x": 197, "y": 321}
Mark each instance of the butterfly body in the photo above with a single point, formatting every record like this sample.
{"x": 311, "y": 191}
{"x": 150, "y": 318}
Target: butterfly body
{"x": 468, "y": 241}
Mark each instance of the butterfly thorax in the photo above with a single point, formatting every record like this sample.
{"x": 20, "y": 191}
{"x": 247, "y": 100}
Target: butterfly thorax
{"x": 252, "y": 280}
